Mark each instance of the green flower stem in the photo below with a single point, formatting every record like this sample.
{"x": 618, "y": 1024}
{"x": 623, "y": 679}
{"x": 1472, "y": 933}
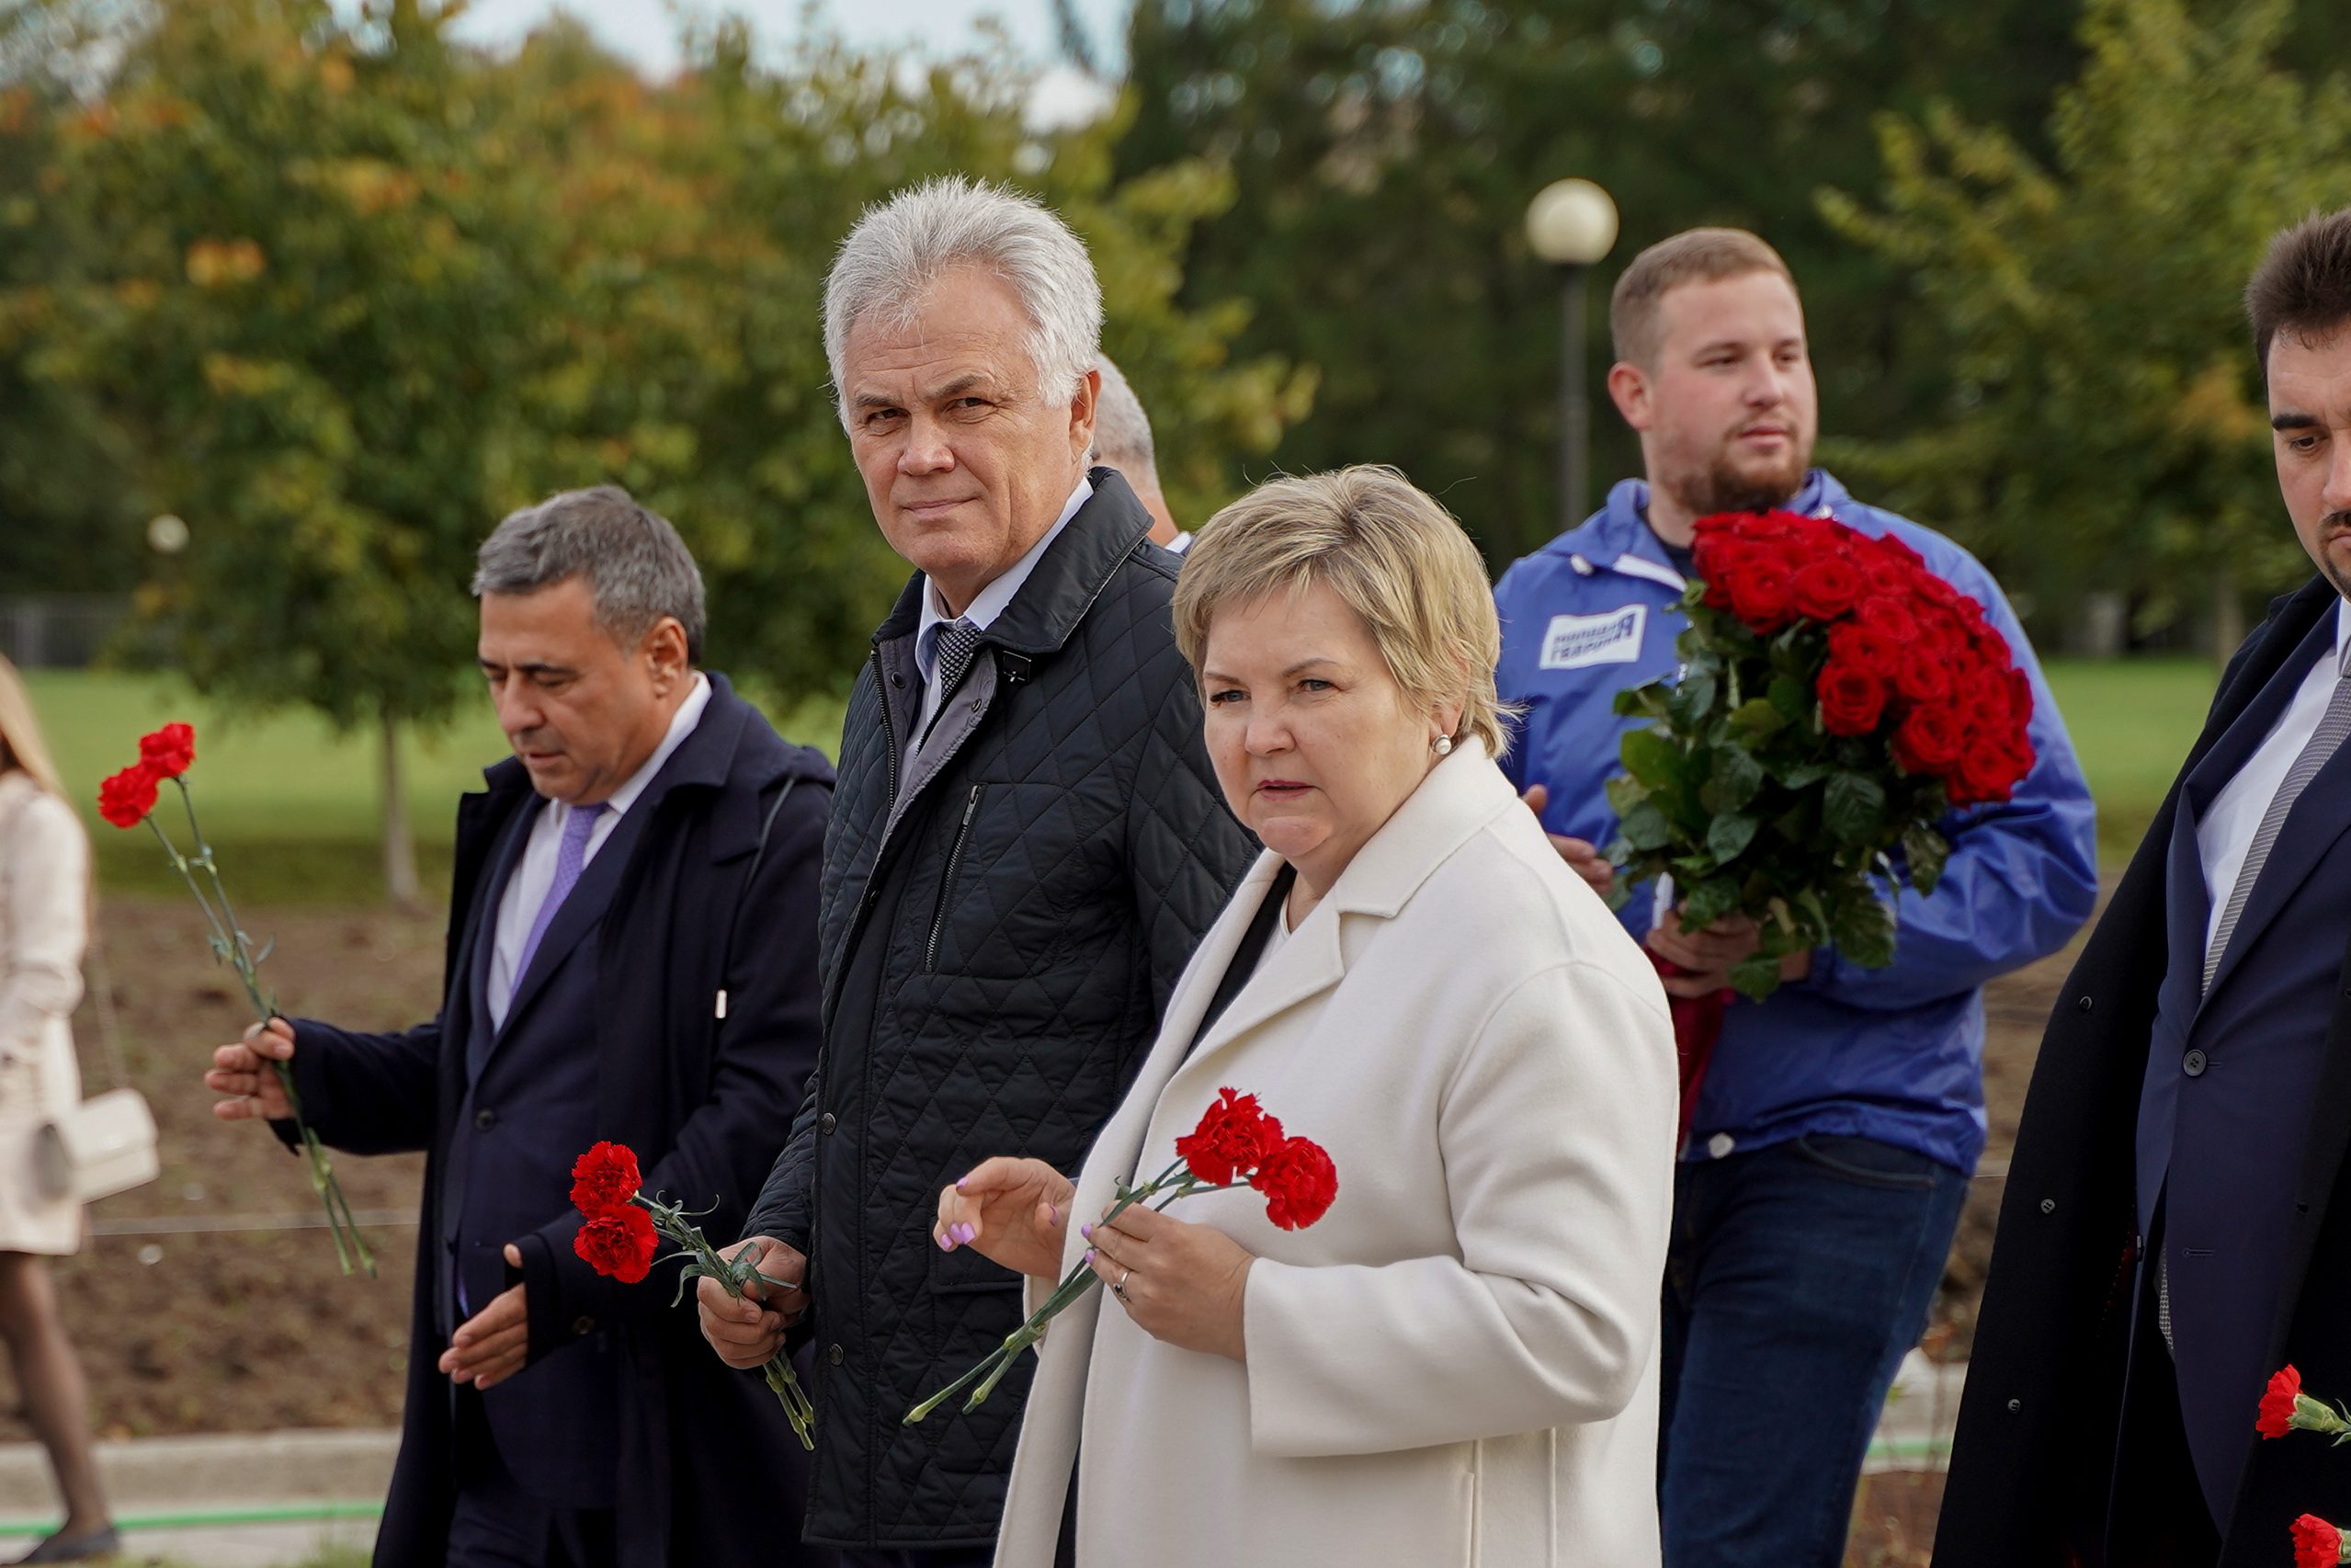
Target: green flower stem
{"x": 229, "y": 943}
{"x": 1169, "y": 1185}
{"x": 670, "y": 1221}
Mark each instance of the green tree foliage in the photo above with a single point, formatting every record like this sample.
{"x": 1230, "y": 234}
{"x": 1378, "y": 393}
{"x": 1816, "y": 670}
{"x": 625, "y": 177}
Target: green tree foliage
{"x": 1384, "y": 155}
{"x": 351, "y": 291}
{"x": 2105, "y": 422}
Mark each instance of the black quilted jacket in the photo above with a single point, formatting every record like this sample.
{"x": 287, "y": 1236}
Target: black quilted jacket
{"x": 997, "y": 941}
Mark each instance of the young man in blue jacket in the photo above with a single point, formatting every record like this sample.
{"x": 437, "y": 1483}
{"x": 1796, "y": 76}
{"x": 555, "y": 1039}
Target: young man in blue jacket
{"x": 1839, "y": 1121}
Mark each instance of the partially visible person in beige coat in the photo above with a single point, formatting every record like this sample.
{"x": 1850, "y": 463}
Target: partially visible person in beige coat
{"x": 44, "y": 920}
{"x": 1458, "y": 1365}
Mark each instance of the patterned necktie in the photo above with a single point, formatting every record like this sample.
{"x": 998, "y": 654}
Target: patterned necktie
{"x": 571, "y": 857}
{"x": 2332, "y": 726}
{"x": 958, "y": 642}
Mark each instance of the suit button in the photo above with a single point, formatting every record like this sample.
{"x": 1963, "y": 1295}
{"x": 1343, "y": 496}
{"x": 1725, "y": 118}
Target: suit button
{"x": 2082, "y": 1005}
{"x": 2194, "y": 1063}
{"x": 825, "y": 1123}
{"x": 584, "y": 1324}
{"x": 2015, "y": 1407}
{"x": 836, "y": 1355}
{"x": 485, "y": 1120}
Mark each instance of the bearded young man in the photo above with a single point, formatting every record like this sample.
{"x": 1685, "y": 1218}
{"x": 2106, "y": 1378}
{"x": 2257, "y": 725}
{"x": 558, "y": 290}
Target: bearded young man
{"x": 1839, "y": 1122}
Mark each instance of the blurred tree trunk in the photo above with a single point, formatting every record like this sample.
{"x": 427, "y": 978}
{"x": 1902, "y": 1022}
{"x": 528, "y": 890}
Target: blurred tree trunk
{"x": 400, "y": 882}
{"x": 2228, "y": 615}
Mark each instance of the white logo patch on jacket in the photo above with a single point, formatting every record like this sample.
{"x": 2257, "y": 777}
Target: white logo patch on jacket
{"x": 1572, "y": 641}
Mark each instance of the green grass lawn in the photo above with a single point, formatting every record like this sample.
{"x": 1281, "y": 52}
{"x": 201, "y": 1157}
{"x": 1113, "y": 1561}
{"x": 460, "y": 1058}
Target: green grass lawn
{"x": 295, "y": 807}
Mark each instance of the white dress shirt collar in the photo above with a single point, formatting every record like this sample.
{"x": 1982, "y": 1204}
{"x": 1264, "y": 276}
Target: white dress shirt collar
{"x": 991, "y": 601}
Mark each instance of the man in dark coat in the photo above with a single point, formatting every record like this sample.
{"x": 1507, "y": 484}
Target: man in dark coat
{"x": 1027, "y": 844}
{"x": 632, "y": 957}
{"x": 2178, "y": 1215}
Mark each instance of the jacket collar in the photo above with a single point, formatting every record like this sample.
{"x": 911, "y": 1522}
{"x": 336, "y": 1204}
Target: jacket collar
{"x": 1458, "y": 798}
{"x": 703, "y": 761}
{"x": 1067, "y": 578}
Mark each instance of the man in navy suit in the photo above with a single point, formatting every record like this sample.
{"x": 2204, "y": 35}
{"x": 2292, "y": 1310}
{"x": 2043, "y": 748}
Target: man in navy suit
{"x": 2177, "y": 1223}
{"x": 632, "y": 957}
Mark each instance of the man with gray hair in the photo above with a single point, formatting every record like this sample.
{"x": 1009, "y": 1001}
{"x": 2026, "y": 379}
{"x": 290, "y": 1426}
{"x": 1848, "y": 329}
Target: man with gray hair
{"x": 632, "y": 957}
{"x": 1122, "y": 441}
{"x": 1027, "y": 844}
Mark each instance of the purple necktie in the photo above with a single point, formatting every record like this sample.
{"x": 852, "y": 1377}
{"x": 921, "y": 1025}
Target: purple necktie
{"x": 571, "y": 856}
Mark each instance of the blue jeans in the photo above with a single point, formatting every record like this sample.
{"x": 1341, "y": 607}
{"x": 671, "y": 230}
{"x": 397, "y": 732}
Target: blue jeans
{"x": 1798, "y": 1278}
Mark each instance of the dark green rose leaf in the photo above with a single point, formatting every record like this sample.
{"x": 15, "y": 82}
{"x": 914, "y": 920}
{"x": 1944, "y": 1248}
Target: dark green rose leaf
{"x": 1645, "y": 828}
{"x": 1853, "y": 808}
{"x": 1693, "y": 699}
{"x": 1645, "y": 701}
{"x": 1755, "y": 978}
{"x": 1756, "y": 718}
{"x": 1732, "y": 781}
{"x": 1625, "y": 792}
{"x": 1650, "y": 759}
{"x": 1728, "y": 834}
{"x": 1791, "y": 696}
{"x": 1862, "y": 926}
{"x": 1708, "y": 901}
{"x": 1926, "y": 850}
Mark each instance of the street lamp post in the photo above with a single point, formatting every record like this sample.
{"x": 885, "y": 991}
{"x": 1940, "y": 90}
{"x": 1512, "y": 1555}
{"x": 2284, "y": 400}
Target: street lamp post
{"x": 1571, "y": 224}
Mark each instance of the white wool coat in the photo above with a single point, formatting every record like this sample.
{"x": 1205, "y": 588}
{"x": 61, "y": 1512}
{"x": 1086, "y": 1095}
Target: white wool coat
{"x": 1458, "y": 1364}
{"x": 44, "y": 920}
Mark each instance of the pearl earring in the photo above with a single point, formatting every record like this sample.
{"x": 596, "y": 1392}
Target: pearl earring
{"x": 1443, "y": 745}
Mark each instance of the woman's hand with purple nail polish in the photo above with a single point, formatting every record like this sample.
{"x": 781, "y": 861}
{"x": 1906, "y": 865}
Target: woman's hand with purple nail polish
{"x": 1008, "y": 1210}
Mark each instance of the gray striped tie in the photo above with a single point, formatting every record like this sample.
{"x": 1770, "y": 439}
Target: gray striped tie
{"x": 2332, "y": 726}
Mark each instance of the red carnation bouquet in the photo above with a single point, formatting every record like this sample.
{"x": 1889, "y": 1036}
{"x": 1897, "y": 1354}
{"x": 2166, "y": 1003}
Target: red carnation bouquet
{"x": 128, "y": 798}
{"x": 623, "y": 1230}
{"x": 1235, "y": 1144}
{"x": 1836, "y": 699}
{"x": 2286, "y": 1408}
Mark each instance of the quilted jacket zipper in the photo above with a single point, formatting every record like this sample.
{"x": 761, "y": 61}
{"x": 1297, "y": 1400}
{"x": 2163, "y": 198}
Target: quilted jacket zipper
{"x": 947, "y": 883}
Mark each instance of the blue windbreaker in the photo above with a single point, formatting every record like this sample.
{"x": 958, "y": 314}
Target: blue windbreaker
{"x": 1894, "y": 1054}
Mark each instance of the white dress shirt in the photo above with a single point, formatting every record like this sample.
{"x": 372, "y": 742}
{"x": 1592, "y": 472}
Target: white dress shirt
{"x": 535, "y": 872}
{"x": 987, "y": 605}
{"x": 2225, "y": 832}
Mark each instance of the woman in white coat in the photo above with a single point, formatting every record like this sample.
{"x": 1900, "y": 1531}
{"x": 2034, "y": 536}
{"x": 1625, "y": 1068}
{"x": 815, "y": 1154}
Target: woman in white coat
{"x": 44, "y": 920}
{"x": 1458, "y": 1364}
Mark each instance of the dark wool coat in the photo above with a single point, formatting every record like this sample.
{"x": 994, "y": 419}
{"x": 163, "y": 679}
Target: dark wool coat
{"x": 698, "y": 1097}
{"x": 999, "y": 939}
{"x": 2057, "y": 1461}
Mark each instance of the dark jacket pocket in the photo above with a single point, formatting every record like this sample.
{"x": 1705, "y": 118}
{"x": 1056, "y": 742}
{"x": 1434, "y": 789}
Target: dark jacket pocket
{"x": 1869, "y": 1162}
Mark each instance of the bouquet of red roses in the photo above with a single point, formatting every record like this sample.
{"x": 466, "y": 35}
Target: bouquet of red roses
{"x": 624, "y": 1230}
{"x": 128, "y": 798}
{"x": 1234, "y": 1144}
{"x": 1837, "y": 699}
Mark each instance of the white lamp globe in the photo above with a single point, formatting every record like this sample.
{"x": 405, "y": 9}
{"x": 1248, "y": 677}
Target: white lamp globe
{"x": 1570, "y": 222}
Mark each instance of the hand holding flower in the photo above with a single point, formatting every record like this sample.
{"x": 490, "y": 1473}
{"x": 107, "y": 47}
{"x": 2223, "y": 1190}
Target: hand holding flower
{"x": 748, "y": 1330}
{"x": 1011, "y": 1211}
{"x": 245, "y": 1072}
{"x": 1182, "y": 1283}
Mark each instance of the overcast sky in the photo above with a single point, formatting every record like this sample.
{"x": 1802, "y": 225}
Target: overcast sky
{"x": 646, "y": 29}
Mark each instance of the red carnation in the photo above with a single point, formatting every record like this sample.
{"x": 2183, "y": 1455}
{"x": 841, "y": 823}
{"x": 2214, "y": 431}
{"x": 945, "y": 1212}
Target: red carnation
{"x": 1828, "y": 587}
{"x": 620, "y": 1245}
{"x": 127, "y": 798}
{"x": 170, "y": 751}
{"x": 2276, "y": 1416}
{"x": 1299, "y": 1181}
{"x": 2317, "y": 1544}
{"x": 603, "y": 1180}
{"x": 1234, "y": 1137}
{"x": 1852, "y": 699}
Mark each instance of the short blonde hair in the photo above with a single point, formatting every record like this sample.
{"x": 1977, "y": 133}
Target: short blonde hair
{"x": 1389, "y": 552}
{"x": 1694, "y": 255}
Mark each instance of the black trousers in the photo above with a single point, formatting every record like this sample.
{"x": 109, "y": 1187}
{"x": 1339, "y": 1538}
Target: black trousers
{"x": 500, "y": 1523}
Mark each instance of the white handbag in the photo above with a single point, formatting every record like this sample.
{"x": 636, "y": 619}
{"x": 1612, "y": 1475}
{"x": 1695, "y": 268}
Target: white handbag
{"x": 102, "y": 1146}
